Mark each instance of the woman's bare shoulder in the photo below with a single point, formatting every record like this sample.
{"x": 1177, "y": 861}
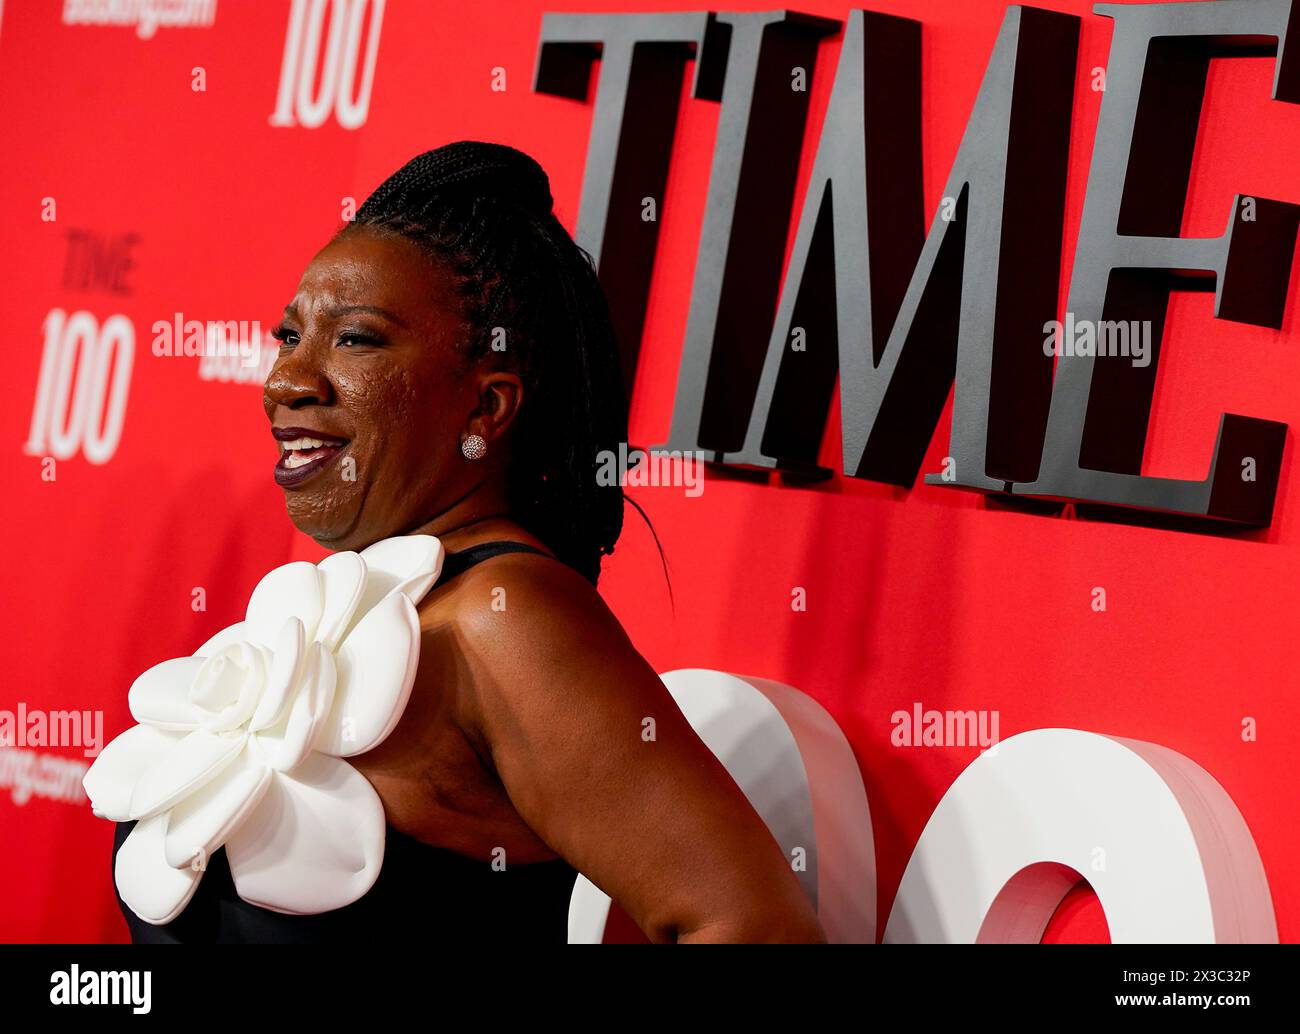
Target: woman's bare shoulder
{"x": 516, "y": 591}
{"x": 518, "y": 622}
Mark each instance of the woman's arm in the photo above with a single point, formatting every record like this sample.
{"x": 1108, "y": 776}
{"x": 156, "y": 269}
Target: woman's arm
{"x": 560, "y": 702}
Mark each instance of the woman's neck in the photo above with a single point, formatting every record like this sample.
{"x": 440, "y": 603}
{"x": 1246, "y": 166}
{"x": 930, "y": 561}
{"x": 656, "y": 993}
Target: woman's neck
{"x": 479, "y": 516}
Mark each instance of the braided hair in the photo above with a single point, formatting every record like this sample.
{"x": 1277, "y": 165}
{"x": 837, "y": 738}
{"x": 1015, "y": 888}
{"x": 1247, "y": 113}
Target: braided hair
{"x": 484, "y": 212}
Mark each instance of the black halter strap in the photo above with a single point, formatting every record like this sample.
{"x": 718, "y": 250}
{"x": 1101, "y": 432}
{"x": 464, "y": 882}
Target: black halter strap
{"x": 460, "y": 562}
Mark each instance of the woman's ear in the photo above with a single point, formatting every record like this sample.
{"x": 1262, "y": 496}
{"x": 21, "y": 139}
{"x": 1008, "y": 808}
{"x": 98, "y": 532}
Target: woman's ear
{"x": 500, "y": 394}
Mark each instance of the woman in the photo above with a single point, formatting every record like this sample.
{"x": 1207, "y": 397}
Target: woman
{"x": 447, "y": 368}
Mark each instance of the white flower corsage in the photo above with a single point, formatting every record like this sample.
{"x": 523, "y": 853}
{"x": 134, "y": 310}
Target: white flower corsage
{"x": 241, "y": 745}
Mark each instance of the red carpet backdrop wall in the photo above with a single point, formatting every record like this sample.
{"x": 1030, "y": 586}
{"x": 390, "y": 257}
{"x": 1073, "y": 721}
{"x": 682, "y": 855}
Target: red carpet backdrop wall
{"x": 187, "y": 167}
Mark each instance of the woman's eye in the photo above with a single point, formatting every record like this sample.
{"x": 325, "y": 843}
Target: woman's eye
{"x": 289, "y": 338}
{"x": 359, "y": 339}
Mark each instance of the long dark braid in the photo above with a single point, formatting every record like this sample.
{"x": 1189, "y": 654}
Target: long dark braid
{"x": 484, "y": 210}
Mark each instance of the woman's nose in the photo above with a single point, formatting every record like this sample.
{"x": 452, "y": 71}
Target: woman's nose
{"x": 296, "y": 381}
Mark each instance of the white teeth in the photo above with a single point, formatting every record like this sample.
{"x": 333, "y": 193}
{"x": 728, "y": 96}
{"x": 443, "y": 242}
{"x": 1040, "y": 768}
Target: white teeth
{"x": 297, "y": 453}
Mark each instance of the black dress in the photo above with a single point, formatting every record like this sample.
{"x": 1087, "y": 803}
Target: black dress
{"x": 450, "y": 896}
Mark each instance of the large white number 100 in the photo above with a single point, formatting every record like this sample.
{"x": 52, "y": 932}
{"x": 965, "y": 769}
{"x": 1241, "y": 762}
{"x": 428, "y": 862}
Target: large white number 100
{"x": 339, "y": 87}
{"x": 78, "y": 348}
{"x": 1019, "y": 827}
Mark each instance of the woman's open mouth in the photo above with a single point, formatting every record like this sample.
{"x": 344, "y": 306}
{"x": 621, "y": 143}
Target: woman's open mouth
{"x": 304, "y": 453}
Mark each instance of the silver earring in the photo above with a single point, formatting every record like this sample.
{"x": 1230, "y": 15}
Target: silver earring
{"x": 473, "y": 446}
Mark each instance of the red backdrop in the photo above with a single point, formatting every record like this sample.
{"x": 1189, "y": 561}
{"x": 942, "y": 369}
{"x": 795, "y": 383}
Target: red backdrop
{"x": 925, "y": 595}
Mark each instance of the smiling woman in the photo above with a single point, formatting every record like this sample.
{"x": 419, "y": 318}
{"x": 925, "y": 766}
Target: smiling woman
{"x": 454, "y": 296}
{"x": 447, "y": 370}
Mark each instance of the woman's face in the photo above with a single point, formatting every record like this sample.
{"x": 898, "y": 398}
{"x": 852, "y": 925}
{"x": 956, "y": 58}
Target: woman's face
{"x": 367, "y": 397}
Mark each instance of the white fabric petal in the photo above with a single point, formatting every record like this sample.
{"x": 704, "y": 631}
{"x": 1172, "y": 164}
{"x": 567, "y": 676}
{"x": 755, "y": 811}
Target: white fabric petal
{"x": 283, "y": 677}
{"x": 343, "y": 580}
{"x": 250, "y": 671}
{"x": 220, "y": 678}
{"x": 199, "y": 825}
{"x": 376, "y": 669}
{"x": 292, "y": 590}
{"x": 240, "y": 759}
{"x": 184, "y": 768}
{"x": 151, "y": 888}
{"x": 315, "y": 843}
{"x": 407, "y": 563}
{"x": 229, "y": 635}
{"x": 160, "y": 697}
{"x": 113, "y": 774}
{"x": 287, "y": 745}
